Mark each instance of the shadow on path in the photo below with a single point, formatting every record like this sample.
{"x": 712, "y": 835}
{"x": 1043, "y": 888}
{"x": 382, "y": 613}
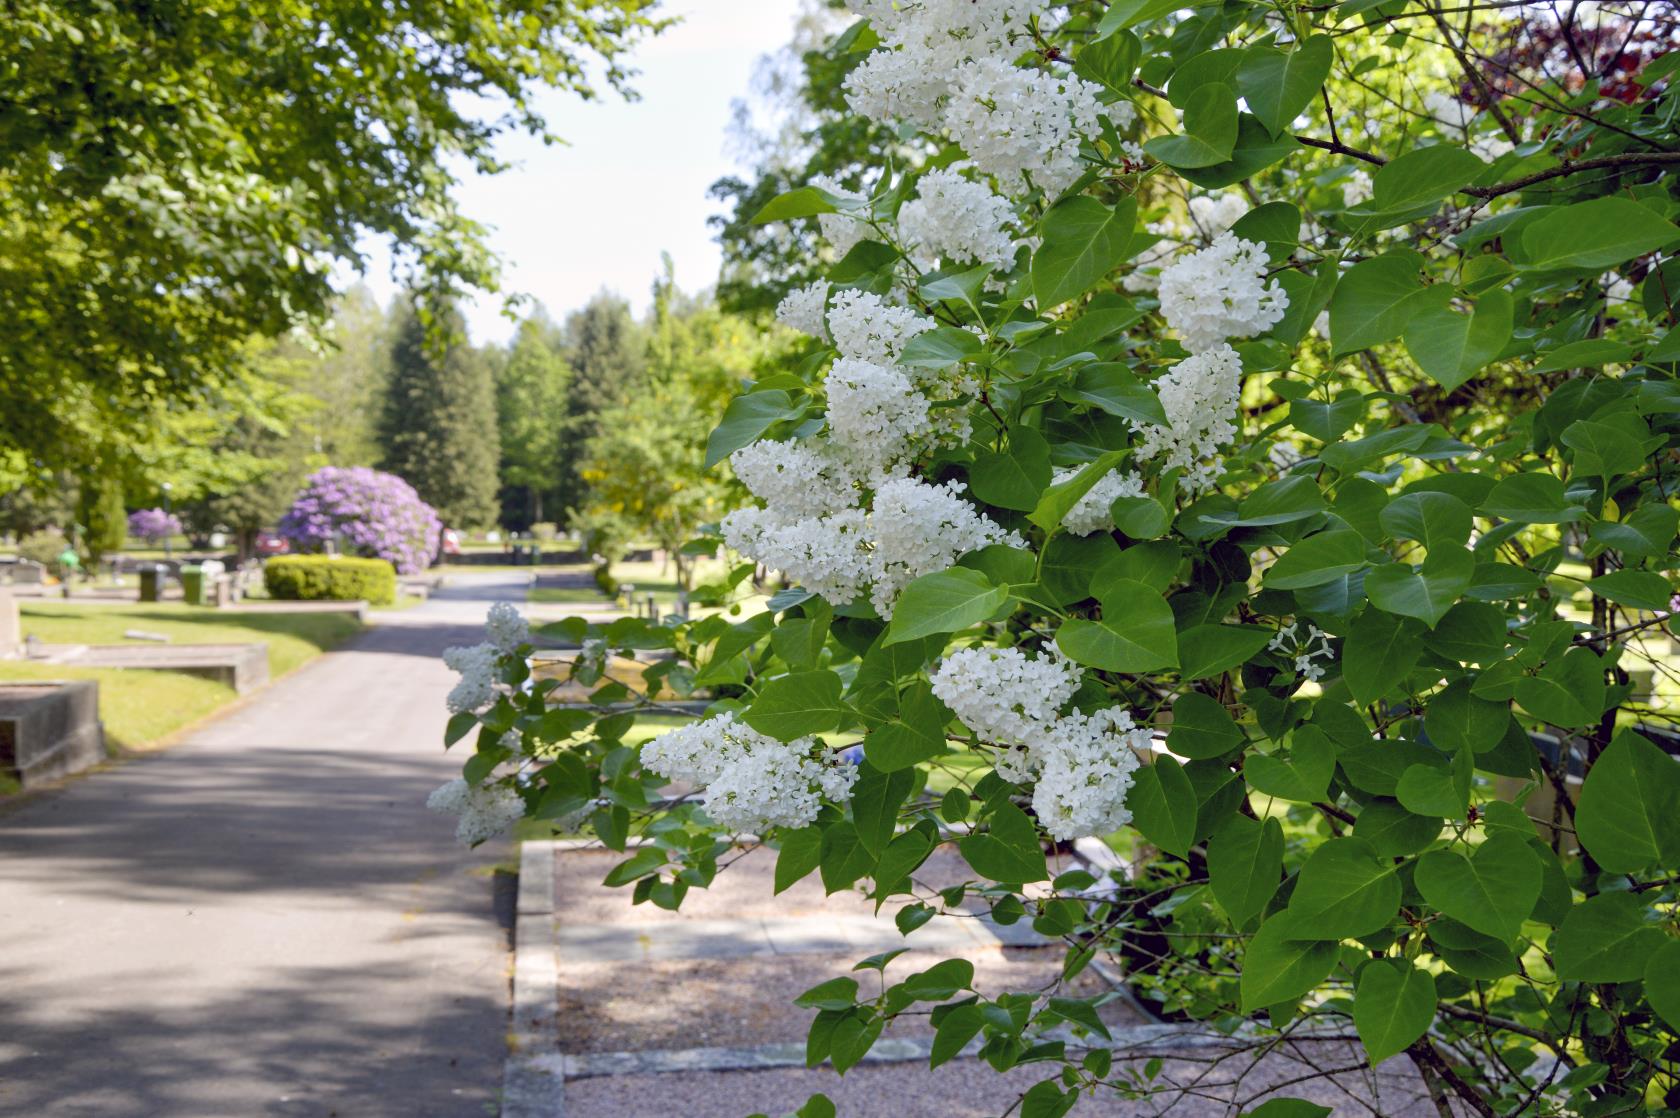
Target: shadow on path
{"x": 265, "y": 919}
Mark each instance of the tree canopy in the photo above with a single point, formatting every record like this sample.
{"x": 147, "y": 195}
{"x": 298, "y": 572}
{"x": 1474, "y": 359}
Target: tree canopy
{"x": 177, "y": 178}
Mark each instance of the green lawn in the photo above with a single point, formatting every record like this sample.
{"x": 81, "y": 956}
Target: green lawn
{"x": 141, "y": 707}
{"x": 565, "y": 595}
{"x": 293, "y": 638}
{"x": 138, "y": 708}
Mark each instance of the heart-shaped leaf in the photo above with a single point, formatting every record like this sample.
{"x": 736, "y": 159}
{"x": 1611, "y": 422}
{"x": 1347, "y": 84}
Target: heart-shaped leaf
{"x": 1426, "y": 592}
{"x": 1492, "y": 891}
{"x": 1393, "y": 1005}
{"x": 1345, "y": 889}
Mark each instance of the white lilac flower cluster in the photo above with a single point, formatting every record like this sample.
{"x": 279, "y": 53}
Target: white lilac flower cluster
{"x": 956, "y": 219}
{"x": 506, "y": 629}
{"x": 949, "y": 64}
{"x": 1200, "y": 396}
{"x": 1081, "y": 765}
{"x": 1002, "y": 695}
{"x": 485, "y": 810}
{"x": 799, "y": 480}
{"x": 842, "y": 230}
{"x": 476, "y": 664}
{"x": 1016, "y": 123}
{"x": 875, "y": 412}
{"x": 829, "y": 555}
{"x": 1213, "y": 214}
{"x": 914, "y": 529}
{"x": 1085, "y": 769}
{"x": 880, "y": 414}
{"x": 1091, "y": 514}
{"x": 1356, "y": 189}
{"x": 1313, "y": 646}
{"x": 1221, "y": 292}
{"x": 804, "y": 309}
{"x": 813, "y": 526}
{"x": 1458, "y": 119}
{"x": 868, "y": 328}
{"x": 751, "y": 781}
{"x": 925, "y": 44}
{"x": 918, "y": 529}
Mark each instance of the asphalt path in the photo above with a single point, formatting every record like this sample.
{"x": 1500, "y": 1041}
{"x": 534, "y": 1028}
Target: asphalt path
{"x": 264, "y": 919}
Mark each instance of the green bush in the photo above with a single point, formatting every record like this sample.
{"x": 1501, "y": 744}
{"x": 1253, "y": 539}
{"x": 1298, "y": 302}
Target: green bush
{"x": 605, "y": 581}
{"x": 43, "y": 547}
{"x": 330, "y": 578}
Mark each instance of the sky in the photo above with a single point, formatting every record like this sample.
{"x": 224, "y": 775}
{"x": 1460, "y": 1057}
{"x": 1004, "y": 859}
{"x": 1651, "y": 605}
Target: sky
{"x": 569, "y": 220}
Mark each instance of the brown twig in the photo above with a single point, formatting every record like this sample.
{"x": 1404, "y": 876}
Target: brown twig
{"x": 1571, "y": 167}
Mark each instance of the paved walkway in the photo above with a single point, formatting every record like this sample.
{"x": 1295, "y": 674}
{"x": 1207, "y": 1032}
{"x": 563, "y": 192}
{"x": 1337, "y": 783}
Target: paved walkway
{"x": 265, "y": 919}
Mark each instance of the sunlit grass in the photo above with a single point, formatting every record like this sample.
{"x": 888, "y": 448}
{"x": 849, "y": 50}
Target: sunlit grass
{"x": 293, "y": 638}
{"x": 141, "y": 708}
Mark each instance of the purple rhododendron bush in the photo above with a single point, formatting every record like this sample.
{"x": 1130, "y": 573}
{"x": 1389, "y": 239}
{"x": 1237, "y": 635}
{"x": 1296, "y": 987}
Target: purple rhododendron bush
{"x": 153, "y": 524}
{"x": 367, "y": 513}
{"x": 1234, "y": 443}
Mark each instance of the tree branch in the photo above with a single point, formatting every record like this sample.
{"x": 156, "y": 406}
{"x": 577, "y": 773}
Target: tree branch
{"x": 1424, "y": 1055}
{"x": 1571, "y": 167}
{"x": 1505, "y": 1024}
{"x": 1340, "y": 148}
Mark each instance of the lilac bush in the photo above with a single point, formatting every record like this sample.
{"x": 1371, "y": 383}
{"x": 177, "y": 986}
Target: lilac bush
{"x": 369, "y": 513}
{"x": 153, "y": 524}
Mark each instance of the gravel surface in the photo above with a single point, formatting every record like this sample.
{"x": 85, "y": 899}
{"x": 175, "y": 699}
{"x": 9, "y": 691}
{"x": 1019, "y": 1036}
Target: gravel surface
{"x": 970, "y": 1089}
{"x": 708, "y": 1002}
{"x": 744, "y": 889}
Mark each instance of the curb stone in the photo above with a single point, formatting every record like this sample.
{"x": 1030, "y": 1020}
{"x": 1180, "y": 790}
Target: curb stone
{"x": 533, "y": 1078}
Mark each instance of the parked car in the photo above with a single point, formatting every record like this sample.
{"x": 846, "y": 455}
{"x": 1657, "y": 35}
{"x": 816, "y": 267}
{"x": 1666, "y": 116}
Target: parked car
{"x": 450, "y": 542}
{"x": 272, "y": 543}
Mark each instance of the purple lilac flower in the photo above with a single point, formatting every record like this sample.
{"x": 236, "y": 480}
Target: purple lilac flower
{"x": 153, "y": 524}
{"x": 369, "y": 513}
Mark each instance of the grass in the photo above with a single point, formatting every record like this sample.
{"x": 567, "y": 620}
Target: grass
{"x": 404, "y": 601}
{"x": 564, "y": 595}
{"x": 141, "y": 707}
{"x": 293, "y": 638}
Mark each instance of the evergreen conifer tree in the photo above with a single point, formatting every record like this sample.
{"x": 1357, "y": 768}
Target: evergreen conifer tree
{"x": 607, "y": 352}
{"x": 437, "y": 422}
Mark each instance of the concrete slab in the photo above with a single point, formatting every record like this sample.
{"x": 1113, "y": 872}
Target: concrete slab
{"x": 243, "y": 667}
{"x": 49, "y": 729}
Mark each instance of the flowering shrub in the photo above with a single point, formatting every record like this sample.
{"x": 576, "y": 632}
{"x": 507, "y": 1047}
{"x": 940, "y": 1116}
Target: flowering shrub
{"x": 153, "y": 525}
{"x": 367, "y": 513}
{"x": 1292, "y": 542}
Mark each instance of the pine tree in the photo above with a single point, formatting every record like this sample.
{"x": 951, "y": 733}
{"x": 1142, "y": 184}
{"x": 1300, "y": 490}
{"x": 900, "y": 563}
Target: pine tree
{"x": 607, "y": 352}
{"x": 437, "y": 423}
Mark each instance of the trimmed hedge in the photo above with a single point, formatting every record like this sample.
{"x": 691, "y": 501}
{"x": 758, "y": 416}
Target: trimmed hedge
{"x": 329, "y": 578}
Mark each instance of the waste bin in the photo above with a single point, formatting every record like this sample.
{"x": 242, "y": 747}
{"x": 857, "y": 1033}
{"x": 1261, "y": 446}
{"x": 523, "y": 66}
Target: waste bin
{"x": 192, "y": 584}
{"x": 151, "y": 582}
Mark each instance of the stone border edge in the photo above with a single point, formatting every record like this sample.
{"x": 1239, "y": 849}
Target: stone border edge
{"x": 533, "y": 1077}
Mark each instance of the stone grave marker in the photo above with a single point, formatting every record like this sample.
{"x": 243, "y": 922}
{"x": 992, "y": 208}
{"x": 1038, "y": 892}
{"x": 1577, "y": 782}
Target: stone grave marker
{"x": 11, "y": 633}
